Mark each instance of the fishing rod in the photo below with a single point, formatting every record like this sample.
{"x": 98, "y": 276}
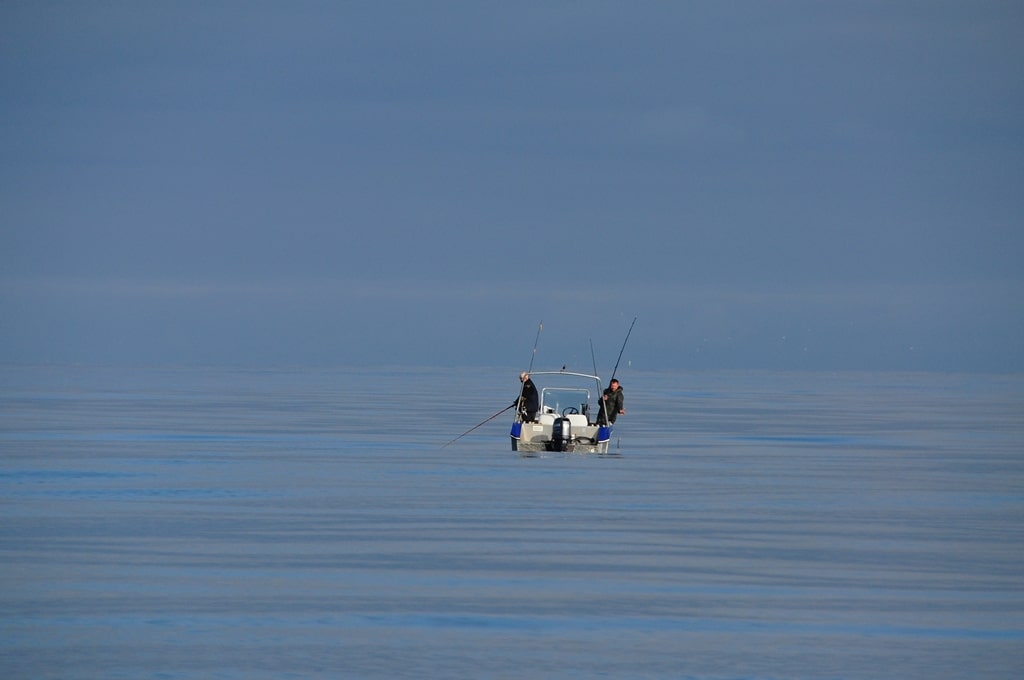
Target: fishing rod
{"x": 533, "y": 356}
{"x": 479, "y": 424}
{"x": 540, "y": 327}
{"x": 615, "y": 370}
{"x": 603, "y": 402}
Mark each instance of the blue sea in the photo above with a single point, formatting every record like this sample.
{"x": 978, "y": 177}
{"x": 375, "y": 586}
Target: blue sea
{"x": 298, "y": 523}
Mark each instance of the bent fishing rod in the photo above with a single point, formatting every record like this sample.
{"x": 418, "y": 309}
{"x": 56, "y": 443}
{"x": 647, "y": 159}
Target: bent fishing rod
{"x": 540, "y": 327}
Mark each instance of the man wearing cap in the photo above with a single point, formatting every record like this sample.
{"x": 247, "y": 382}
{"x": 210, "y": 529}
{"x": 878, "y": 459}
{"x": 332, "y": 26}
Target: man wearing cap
{"x": 528, "y": 402}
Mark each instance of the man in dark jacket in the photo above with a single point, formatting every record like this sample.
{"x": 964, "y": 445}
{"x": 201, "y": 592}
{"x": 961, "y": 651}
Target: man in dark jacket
{"x": 528, "y": 402}
{"x": 612, "y": 403}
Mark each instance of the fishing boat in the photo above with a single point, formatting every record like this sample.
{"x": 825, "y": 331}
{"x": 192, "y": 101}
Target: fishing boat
{"x": 568, "y": 417}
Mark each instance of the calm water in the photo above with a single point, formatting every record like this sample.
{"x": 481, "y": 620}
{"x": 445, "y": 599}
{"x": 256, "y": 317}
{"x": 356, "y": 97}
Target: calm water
{"x": 307, "y": 524}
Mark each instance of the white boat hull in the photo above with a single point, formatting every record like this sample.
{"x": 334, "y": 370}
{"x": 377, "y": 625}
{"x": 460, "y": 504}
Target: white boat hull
{"x": 542, "y": 436}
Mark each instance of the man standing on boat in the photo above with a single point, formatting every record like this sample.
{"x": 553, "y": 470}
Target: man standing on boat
{"x": 529, "y": 401}
{"x": 612, "y": 405}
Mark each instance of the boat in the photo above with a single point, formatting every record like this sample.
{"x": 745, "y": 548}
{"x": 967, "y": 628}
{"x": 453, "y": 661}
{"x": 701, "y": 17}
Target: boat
{"x": 567, "y": 419}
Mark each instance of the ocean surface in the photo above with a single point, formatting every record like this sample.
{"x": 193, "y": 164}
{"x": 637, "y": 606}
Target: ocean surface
{"x": 241, "y": 524}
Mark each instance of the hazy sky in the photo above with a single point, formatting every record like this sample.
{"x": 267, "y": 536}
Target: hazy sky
{"x": 791, "y": 184}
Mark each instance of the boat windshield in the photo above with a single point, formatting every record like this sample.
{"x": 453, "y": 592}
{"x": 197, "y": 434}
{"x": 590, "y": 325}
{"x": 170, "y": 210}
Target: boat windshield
{"x": 555, "y": 400}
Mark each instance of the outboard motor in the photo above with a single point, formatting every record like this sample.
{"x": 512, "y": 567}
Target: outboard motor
{"x": 561, "y": 434}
